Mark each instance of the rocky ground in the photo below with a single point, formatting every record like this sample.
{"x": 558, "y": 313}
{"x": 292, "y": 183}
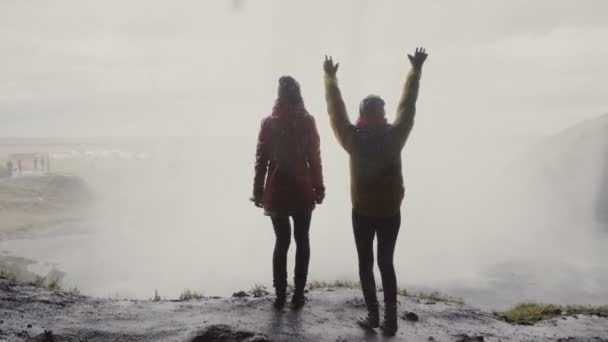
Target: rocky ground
{"x": 29, "y": 313}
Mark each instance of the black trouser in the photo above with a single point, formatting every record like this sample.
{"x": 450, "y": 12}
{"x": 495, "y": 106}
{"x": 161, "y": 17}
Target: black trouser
{"x": 387, "y": 229}
{"x": 282, "y": 231}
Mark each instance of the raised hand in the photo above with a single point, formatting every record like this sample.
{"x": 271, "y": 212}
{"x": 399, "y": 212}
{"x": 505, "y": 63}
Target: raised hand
{"x": 418, "y": 58}
{"x": 329, "y": 66}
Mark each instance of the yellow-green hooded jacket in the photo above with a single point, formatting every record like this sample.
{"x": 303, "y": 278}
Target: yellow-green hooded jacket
{"x": 376, "y": 176}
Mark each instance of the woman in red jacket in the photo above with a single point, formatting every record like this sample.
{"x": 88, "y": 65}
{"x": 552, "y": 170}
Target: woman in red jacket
{"x": 288, "y": 183}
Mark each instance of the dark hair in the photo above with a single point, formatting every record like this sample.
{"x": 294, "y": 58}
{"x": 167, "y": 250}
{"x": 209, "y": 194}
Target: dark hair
{"x": 289, "y": 90}
{"x": 369, "y": 103}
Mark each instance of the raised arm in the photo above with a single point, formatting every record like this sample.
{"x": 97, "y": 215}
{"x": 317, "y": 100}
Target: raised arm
{"x": 406, "y": 111}
{"x": 261, "y": 165}
{"x": 340, "y": 123}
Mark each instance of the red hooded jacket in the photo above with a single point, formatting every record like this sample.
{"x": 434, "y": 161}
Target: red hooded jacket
{"x": 288, "y": 171}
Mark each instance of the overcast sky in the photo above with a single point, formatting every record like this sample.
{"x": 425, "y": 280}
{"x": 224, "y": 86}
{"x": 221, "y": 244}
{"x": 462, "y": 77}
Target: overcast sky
{"x": 116, "y": 68}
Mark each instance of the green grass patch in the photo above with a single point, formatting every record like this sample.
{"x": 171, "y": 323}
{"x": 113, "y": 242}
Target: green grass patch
{"x": 258, "y": 290}
{"x": 53, "y": 284}
{"x": 434, "y": 295}
{"x": 341, "y": 284}
{"x": 39, "y": 281}
{"x": 345, "y": 284}
{"x": 530, "y": 313}
{"x": 190, "y": 295}
{"x": 156, "y": 297}
{"x": 73, "y": 291}
{"x": 7, "y": 274}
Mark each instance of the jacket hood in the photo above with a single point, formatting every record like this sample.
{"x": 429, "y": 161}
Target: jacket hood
{"x": 371, "y": 121}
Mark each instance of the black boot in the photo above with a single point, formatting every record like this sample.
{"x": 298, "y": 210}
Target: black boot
{"x": 372, "y": 320}
{"x": 281, "y": 297}
{"x": 297, "y": 299}
{"x": 389, "y": 326}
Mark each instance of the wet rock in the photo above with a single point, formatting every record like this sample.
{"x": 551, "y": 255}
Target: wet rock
{"x": 258, "y": 338}
{"x": 240, "y": 294}
{"x": 225, "y": 333}
{"x": 410, "y": 316}
{"x": 467, "y": 338}
{"x": 217, "y": 332}
{"x": 29, "y": 326}
{"x": 48, "y": 336}
{"x": 431, "y": 338}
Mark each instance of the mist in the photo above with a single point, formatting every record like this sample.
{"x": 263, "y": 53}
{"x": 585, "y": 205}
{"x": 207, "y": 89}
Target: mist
{"x": 487, "y": 167}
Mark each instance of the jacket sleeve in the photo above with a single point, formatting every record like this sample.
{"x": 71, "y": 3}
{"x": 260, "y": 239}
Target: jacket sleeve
{"x": 261, "y": 162}
{"x": 406, "y": 111}
{"x": 314, "y": 160}
{"x": 340, "y": 123}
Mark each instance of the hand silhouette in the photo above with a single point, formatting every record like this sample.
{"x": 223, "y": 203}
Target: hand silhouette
{"x": 319, "y": 196}
{"x": 329, "y": 66}
{"x": 418, "y": 58}
{"x": 257, "y": 202}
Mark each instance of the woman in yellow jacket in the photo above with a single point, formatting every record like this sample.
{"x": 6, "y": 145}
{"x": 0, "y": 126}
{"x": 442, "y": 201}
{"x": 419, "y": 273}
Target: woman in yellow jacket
{"x": 376, "y": 176}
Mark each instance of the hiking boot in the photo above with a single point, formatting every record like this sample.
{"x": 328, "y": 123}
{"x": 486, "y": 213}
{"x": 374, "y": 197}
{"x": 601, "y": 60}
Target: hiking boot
{"x": 368, "y": 322}
{"x": 281, "y": 298}
{"x": 389, "y": 326}
{"x": 388, "y": 330}
{"x": 372, "y": 320}
{"x": 298, "y": 300}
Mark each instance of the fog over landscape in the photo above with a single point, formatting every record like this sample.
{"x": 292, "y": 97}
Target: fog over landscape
{"x": 157, "y": 106}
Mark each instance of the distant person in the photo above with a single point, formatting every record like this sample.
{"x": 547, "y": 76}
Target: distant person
{"x": 42, "y": 167}
{"x": 9, "y": 167}
{"x": 288, "y": 183}
{"x": 36, "y": 164}
{"x": 19, "y": 167}
{"x": 377, "y": 188}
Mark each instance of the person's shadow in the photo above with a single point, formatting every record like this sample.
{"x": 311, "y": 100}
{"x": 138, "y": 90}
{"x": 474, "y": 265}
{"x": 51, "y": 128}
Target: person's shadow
{"x": 288, "y": 324}
{"x": 285, "y": 323}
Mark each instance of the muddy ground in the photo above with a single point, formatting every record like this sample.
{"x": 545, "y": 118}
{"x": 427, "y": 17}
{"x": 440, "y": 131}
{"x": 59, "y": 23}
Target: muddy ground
{"x": 26, "y": 312}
